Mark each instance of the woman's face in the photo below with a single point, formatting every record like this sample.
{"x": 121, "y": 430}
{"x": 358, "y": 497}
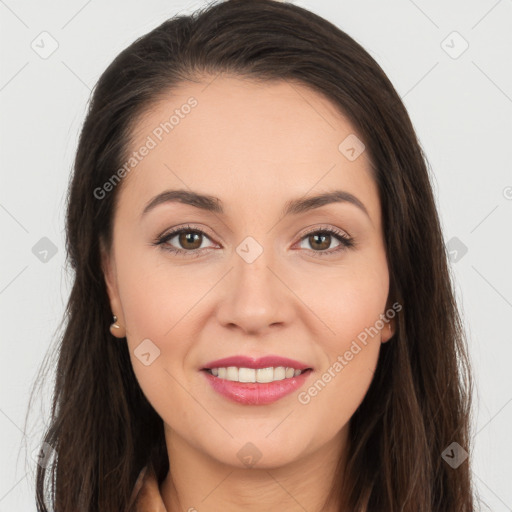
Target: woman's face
{"x": 251, "y": 280}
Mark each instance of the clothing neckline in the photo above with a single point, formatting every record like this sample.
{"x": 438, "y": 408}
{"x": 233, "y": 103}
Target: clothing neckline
{"x": 146, "y": 495}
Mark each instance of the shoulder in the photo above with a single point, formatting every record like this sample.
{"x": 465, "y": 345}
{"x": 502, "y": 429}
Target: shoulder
{"x": 146, "y": 495}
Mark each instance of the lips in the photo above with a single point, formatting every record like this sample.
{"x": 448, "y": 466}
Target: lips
{"x": 254, "y": 393}
{"x": 262, "y": 362}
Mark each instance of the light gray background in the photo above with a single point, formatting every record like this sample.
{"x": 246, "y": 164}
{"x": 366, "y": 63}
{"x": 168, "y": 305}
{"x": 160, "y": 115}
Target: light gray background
{"x": 461, "y": 108}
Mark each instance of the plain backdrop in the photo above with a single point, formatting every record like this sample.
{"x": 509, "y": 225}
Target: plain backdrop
{"x": 449, "y": 61}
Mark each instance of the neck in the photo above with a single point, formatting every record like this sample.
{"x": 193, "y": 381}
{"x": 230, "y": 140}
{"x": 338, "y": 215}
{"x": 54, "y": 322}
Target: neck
{"x": 198, "y": 482}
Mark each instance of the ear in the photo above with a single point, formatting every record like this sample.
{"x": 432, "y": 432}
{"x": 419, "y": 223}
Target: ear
{"x": 110, "y": 275}
{"x": 389, "y": 329}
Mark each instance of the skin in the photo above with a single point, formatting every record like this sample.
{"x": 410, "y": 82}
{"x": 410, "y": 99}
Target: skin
{"x": 255, "y": 146}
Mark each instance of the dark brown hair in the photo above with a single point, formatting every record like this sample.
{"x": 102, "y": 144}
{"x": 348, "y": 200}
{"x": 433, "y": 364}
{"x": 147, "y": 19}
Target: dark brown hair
{"x": 103, "y": 429}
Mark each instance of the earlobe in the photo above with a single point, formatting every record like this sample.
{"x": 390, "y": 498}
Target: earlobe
{"x": 117, "y": 330}
{"x": 388, "y": 331}
{"x": 110, "y": 276}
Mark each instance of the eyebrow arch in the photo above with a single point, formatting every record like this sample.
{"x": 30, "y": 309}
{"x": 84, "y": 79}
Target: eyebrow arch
{"x": 214, "y": 204}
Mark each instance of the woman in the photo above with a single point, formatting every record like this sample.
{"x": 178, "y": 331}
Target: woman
{"x": 262, "y": 316}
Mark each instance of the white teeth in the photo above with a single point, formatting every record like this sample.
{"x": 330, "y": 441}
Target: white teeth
{"x": 265, "y": 375}
{"x": 279, "y": 373}
{"x": 261, "y": 375}
{"x": 247, "y": 375}
{"x": 232, "y": 373}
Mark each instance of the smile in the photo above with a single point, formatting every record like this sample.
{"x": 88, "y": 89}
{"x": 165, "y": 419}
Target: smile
{"x": 255, "y": 393}
{"x": 261, "y": 375}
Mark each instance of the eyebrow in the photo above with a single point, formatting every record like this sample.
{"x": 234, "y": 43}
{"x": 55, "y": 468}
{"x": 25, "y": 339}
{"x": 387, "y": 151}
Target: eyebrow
{"x": 214, "y": 204}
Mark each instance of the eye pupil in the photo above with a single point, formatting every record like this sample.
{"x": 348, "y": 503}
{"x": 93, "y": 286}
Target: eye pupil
{"x": 187, "y": 237}
{"x": 323, "y": 237}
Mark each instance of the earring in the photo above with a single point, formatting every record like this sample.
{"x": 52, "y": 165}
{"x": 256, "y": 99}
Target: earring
{"x": 115, "y": 329}
{"x": 391, "y": 330}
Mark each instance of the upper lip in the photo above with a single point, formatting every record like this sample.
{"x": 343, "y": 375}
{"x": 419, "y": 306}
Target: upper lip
{"x": 261, "y": 362}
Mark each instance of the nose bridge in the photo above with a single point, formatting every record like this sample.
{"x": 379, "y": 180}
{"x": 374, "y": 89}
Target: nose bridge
{"x": 252, "y": 273}
{"x": 255, "y": 297}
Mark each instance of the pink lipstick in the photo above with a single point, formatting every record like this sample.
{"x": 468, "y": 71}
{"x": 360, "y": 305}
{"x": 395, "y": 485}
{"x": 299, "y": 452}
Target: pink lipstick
{"x": 256, "y": 393}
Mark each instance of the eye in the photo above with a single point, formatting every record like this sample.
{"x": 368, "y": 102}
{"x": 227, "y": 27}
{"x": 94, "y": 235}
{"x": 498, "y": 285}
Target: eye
{"x": 191, "y": 239}
{"x": 188, "y": 237}
{"x": 322, "y": 238}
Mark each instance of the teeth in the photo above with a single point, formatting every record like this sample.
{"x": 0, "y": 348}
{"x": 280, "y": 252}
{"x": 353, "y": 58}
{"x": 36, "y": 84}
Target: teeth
{"x": 279, "y": 373}
{"x": 247, "y": 375}
{"x": 232, "y": 373}
{"x": 265, "y": 375}
{"x": 261, "y": 375}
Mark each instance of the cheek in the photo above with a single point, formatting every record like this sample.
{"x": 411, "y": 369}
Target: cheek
{"x": 350, "y": 305}
{"x": 154, "y": 294}
{"x": 333, "y": 396}
{"x": 346, "y": 301}
{"x": 349, "y": 354}
{"x": 158, "y": 301}
{"x": 155, "y": 304}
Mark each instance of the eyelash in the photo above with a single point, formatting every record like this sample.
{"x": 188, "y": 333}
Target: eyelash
{"x": 345, "y": 241}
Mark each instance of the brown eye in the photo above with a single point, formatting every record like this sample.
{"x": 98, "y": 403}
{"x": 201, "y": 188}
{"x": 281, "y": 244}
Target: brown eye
{"x": 320, "y": 241}
{"x": 186, "y": 241}
{"x": 189, "y": 240}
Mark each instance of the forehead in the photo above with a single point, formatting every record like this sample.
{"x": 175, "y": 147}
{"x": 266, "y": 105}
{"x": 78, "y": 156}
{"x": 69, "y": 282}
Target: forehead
{"x": 249, "y": 143}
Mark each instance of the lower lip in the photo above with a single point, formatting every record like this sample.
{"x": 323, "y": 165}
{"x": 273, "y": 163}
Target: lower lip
{"x": 256, "y": 393}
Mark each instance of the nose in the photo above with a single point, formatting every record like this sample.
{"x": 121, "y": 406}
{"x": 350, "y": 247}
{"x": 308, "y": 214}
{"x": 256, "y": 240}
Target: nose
{"x": 255, "y": 297}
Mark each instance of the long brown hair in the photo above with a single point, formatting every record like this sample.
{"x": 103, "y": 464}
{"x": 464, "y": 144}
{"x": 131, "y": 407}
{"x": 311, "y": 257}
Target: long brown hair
{"x": 103, "y": 429}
